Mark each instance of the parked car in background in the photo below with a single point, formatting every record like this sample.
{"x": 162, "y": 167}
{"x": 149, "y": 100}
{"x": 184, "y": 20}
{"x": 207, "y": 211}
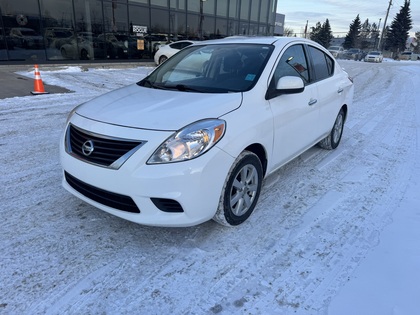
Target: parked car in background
{"x": 26, "y": 38}
{"x": 76, "y": 48}
{"x": 5, "y": 40}
{"x": 336, "y": 51}
{"x": 374, "y": 56}
{"x": 409, "y": 55}
{"x": 115, "y": 48}
{"x": 130, "y": 42}
{"x": 166, "y": 51}
{"x": 194, "y": 140}
{"x": 55, "y": 37}
{"x": 353, "y": 54}
{"x": 154, "y": 41}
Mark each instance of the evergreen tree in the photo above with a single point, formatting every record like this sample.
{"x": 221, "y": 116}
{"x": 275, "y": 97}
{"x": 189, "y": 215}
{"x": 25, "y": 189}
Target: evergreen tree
{"x": 352, "y": 37}
{"x": 326, "y": 34}
{"x": 374, "y": 34}
{"x": 365, "y": 35}
{"x": 322, "y": 34}
{"x": 315, "y": 33}
{"x": 398, "y": 32}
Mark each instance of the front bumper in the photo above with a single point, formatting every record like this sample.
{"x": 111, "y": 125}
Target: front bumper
{"x": 195, "y": 185}
{"x": 372, "y": 59}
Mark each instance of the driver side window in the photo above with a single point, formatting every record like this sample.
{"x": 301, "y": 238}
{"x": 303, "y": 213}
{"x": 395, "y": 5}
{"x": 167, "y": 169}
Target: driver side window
{"x": 293, "y": 63}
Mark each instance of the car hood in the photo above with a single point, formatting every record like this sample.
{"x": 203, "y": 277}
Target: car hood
{"x": 139, "y": 107}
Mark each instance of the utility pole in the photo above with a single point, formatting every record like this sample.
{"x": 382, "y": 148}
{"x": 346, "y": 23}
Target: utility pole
{"x": 376, "y": 37}
{"x": 383, "y": 30}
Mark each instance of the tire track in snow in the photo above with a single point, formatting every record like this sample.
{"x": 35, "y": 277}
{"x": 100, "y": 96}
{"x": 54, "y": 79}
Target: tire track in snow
{"x": 299, "y": 247}
{"x": 277, "y": 268}
{"x": 355, "y": 244}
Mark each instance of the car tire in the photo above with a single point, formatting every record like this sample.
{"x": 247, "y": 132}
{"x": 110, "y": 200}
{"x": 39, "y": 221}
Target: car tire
{"x": 63, "y": 53}
{"x": 84, "y": 55}
{"x": 332, "y": 141}
{"x": 162, "y": 59}
{"x": 241, "y": 190}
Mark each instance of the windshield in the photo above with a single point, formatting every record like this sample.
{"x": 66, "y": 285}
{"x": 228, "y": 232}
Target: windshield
{"x": 218, "y": 68}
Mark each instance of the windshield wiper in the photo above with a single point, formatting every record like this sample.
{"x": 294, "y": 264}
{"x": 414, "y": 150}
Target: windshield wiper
{"x": 184, "y": 88}
{"x": 150, "y": 84}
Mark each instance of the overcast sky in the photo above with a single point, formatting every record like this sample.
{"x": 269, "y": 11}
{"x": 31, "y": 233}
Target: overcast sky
{"x": 341, "y": 13}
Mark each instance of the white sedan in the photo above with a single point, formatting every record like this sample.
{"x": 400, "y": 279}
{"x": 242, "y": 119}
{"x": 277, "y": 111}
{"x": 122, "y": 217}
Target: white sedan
{"x": 336, "y": 51}
{"x": 194, "y": 140}
{"x": 374, "y": 56}
{"x": 166, "y": 51}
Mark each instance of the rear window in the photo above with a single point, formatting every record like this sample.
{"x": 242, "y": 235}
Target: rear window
{"x": 323, "y": 65}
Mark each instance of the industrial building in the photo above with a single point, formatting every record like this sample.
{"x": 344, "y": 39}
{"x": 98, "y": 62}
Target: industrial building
{"x": 65, "y": 30}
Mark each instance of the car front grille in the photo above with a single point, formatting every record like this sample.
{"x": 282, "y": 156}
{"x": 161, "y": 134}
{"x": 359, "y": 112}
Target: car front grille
{"x": 101, "y": 196}
{"x": 98, "y": 149}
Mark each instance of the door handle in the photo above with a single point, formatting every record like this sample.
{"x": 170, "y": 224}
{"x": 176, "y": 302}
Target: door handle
{"x": 312, "y": 101}
{"x": 340, "y": 90}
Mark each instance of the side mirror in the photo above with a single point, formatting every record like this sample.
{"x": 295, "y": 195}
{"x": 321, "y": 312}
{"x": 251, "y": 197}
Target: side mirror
{"x": 286, "y": 85}
{"x": 290, "y": 85}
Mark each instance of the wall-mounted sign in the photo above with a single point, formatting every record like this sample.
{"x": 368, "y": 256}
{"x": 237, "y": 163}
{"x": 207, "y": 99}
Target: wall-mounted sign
{"x": 139, "y": 29}
{"x": 140, "y": 44}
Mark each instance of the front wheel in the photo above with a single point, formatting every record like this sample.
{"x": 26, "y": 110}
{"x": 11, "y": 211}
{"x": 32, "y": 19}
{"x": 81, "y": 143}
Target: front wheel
{"x": 241, "y": 190}
{"x": 332, "y": 141}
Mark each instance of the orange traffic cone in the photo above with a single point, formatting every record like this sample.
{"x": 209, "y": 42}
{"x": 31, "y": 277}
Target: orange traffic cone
{"x": 38, "y": 85}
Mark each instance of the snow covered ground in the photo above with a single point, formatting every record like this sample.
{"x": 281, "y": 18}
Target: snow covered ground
{"x": 335, "y": 232}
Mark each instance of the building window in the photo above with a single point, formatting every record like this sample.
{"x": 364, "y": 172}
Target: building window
{"x": 255, "y": 10}
{"x": 40, "y": 30}
{"x": 222, "y": 8}
{"x": 233, "y": 9}
{"x": 23, "y": 30}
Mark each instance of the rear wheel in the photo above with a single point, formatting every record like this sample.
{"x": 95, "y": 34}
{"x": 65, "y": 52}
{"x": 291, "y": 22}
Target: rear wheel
{"x": 84, "y": 55}
{"x": 63, "y": 53}
{"x": 241, "y": 190}
{"x": 162, "y": 59}
{"x": 333, "y": 139}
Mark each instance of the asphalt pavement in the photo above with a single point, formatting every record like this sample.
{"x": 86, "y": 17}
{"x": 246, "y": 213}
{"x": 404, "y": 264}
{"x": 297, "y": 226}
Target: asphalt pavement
{"x": 12, "y": 84}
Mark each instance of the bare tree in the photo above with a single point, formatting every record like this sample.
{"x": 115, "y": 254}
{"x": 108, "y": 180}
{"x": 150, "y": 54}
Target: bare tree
{"x": 288, "y": 32}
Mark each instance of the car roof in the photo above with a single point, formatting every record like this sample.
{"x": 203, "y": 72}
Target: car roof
{"x": 22, "y": 28}
{"x": 268, "y": 40}
{"x": 184, "y": 41}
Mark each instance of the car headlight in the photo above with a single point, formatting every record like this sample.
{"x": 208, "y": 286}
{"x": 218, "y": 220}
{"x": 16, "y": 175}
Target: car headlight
{"x": 190, "y": 142}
